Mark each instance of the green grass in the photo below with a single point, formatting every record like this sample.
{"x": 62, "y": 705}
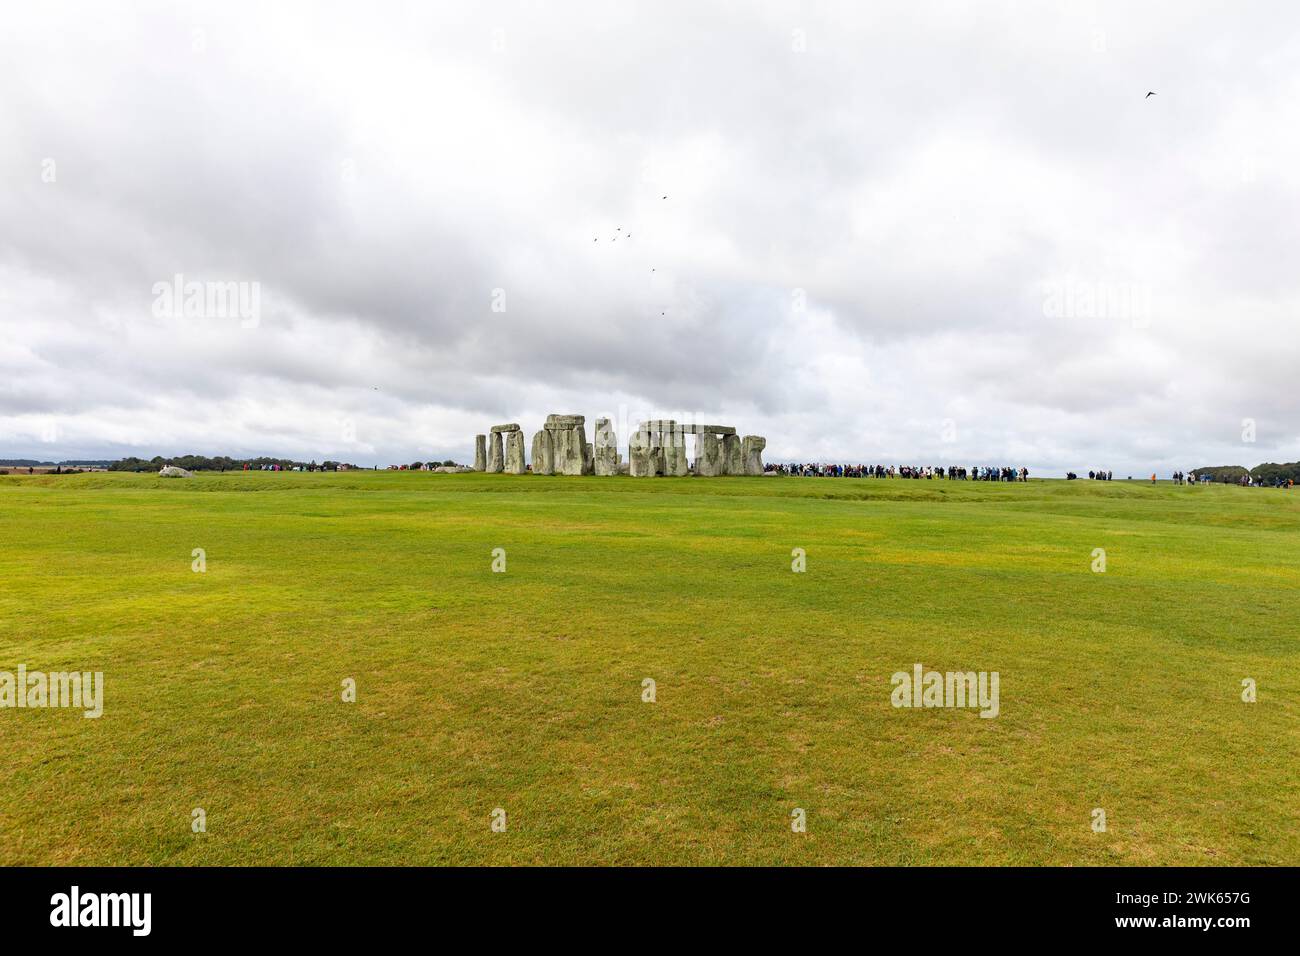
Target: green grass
{"x": 522, "y": 690}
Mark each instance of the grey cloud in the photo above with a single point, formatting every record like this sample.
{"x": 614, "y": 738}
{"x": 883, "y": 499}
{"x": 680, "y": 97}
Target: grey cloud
{"x": 917, "y": 175}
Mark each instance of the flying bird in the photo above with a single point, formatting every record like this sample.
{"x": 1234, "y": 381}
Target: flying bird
{"x": 1149, "y": 95}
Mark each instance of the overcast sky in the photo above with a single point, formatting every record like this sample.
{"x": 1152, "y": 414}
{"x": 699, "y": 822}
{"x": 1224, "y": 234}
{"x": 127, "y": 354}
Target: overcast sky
{"x": 893, "y": 232}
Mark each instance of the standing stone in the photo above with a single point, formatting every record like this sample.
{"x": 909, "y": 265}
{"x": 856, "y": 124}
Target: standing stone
{"x": 514, "y": 463}
{"x": 675, "y": 462}
{"x": 480, "y": 452}
{"x": 733, "y": 457}
{"x": 640, "y": 455}
{"x": 569, "y": 438}
{"x": 588, "y": 459}
{"x": 495, "y": 458}
{"x": 708, "y": 455}
{"x": 568, "y": 451}
{"x": 568, "y": 444}
{"x": 543, "y": 454}
{"x": 753, "y": 454}
{"x": 606, "y": 448}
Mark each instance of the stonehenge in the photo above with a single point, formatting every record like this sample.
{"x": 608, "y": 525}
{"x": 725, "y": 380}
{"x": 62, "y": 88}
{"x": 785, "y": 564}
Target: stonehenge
{"x": 656, "y": 448}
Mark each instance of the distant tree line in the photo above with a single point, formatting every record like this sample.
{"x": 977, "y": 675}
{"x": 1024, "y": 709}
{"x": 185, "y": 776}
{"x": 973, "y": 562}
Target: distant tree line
{"x": 1265, "y": 474}
{"x": 69, "y": 463}
{"x": 220, "y": 463}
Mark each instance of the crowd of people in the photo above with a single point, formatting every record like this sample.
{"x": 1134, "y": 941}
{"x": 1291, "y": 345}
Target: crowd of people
{"x": 1250, "y": 481}
{"x": 951, "y": 473}
{"x": 982, "y": 473}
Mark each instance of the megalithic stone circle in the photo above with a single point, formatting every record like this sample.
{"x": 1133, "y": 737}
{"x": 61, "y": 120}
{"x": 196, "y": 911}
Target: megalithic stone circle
{"x": 658, "y": 447}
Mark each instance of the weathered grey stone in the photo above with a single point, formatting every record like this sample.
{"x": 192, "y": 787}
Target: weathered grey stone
{"x": 568, "y": 454}
{"x": 514, "y": 463}
{"x": 733, "y": 457}
{"x": 511, "y": 427}
{"x": 570, "y": 450}
{"x": 606, "y": 449}
{"x": 480, "y": 452}
{"x": 543, "y": 453}
{"x": 753, "y": 453}
{"x": 640, "y": 455}
{"x": 624, "y": 468}
{"x": 171, "y": 471}
{"x": 706, "y": 429}
{"x": 675, "y": 462}
{"x": 495, "y": 459}
{"x": 708, "y": 455}
{"x": 588, "y": 459}
{"x": 557, "y": 422}
{"x": 607, "y": 461}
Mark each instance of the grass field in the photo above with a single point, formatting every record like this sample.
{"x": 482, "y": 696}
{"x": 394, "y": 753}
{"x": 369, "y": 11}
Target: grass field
{"x": 523, "y": 690}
